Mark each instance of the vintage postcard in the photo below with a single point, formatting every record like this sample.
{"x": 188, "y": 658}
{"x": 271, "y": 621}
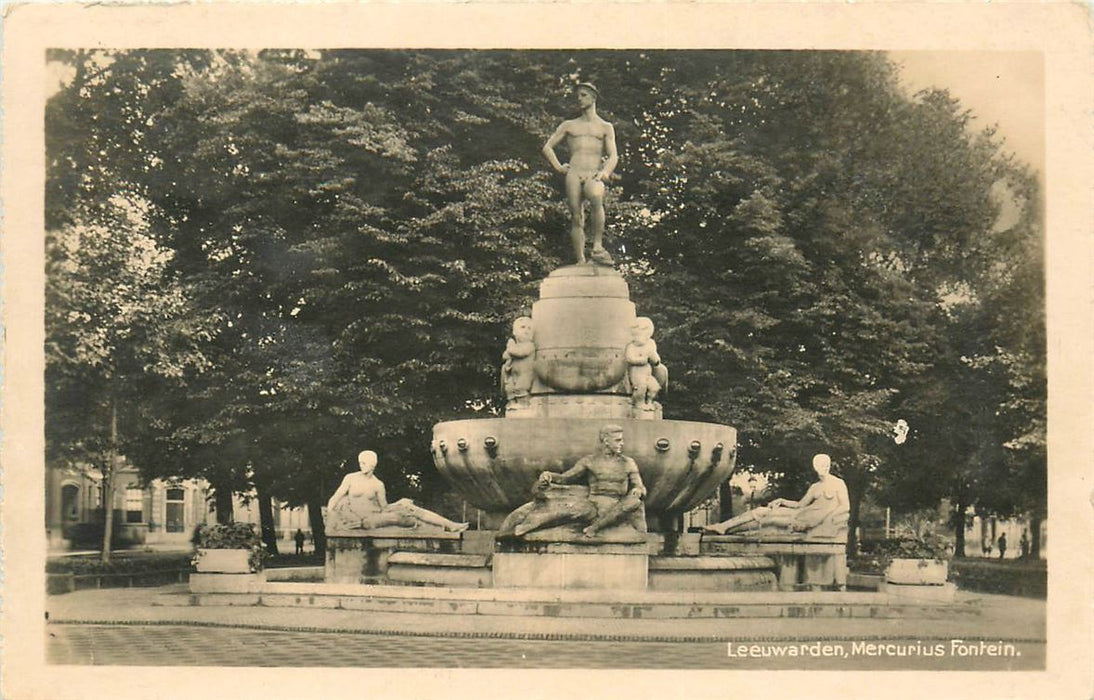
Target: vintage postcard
{"x": 434, "y": 349}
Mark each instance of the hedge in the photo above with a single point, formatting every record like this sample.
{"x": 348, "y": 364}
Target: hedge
{"x": 128, "y": 563}
{"x": 1028, "y": 579}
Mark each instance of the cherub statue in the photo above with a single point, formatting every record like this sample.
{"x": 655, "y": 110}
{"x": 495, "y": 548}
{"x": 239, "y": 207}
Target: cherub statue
{"x": 517, "y": 360}
{"x": 646, "y": 373}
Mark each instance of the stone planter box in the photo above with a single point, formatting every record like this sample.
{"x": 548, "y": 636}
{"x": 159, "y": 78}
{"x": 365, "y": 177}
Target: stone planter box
{"x": 225, "y": 571}
{"x": 917, "y": 572}
{"x": 224, "y": 561}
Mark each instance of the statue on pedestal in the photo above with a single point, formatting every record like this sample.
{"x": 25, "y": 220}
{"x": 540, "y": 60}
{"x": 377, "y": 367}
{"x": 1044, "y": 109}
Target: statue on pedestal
{"x": 593, "y": 157}
{"x": 518, "y": 360}
{"x": 821, "y": 514}
{"x": 603, "y": 491}
{"x": 360, "y": 503}
{"x": 646, "y": 374}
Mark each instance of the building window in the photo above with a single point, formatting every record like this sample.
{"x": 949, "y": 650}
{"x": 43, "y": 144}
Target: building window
{"x": 70, "y": 502}
{"x": 175, "y": 510}
{"x": 134, "y": 505}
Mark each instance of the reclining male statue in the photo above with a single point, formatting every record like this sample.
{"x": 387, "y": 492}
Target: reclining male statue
{"x": 612, "y": 501}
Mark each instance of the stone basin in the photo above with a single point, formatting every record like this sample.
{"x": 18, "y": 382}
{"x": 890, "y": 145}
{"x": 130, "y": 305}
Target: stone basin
{"x": 493, "y": 462}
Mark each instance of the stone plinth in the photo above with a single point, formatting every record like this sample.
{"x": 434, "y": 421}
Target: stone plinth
{"x": 360, "y": 556}
{"x": 799, "y": 563}
{"x": 571, "y": 566}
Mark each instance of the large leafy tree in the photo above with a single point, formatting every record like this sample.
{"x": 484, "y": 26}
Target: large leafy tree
{"x": 804, "y": 222}
{"x": 121, "y": 328}
{"x": 363, "y": 224}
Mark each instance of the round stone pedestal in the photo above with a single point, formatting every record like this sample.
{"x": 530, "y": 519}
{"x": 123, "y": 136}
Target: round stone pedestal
{"x": 582, "y": 324}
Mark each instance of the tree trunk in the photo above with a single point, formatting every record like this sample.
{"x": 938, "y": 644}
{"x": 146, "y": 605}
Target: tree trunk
{"x": 855, "y": 495}
{"x": 725, "y": 502}
{"x": 1035, "y": 519}
{"x": 958, "y": 520}
{"x": 223, "y": 495}
{"x": 265, "y": 517}
{"x": 315, "y": 519}
{"x": 110, "y": 470}
{"x": 108, "y": 508}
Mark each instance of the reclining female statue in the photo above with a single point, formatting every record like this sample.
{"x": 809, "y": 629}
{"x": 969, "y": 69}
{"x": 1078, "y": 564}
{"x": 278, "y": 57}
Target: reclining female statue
{"x": 360, "y": 503}
{"x": 821, "y": 513}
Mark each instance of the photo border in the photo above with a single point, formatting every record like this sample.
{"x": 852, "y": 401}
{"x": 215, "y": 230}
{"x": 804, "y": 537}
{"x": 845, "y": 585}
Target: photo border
{"x": 1060, "y": 31}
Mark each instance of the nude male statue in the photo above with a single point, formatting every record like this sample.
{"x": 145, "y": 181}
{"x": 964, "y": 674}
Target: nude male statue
{"x": 615, "y": 495}
{"x": 593, "y": 157}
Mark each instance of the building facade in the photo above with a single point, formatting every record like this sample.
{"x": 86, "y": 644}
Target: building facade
{"x": 158, "y": 515}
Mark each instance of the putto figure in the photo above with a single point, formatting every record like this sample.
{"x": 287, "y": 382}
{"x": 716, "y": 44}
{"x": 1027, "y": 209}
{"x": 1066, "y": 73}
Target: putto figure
{"x": 517, "y": 360}
{"x": 360, "y": 503}
{"x": 593, "y": 157}
{"x": 822, "y": 512}
{"x": 645, "y": 372}
{"x": 614, "y": 495}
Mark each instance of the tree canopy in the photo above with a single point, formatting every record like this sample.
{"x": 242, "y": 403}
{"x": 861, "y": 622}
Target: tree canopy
{"x": 354, "y": 230}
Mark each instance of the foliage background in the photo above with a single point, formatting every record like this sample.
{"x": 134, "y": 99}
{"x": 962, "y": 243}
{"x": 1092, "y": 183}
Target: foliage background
{"x": 261, "y": 261}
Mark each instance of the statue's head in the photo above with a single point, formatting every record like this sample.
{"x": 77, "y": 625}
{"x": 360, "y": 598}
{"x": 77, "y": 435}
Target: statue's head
{"x": 611, "y": 437}
{"x": 367, "y": 461}
{"x": 822, "y": 463}
{"x": 522, "y": 329}
{"x": 642, "y": 329}
{"x": 586, "y": 92}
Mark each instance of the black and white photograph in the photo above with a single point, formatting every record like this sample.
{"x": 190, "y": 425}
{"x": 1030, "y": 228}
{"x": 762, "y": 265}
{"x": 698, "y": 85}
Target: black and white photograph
{"x": 667, "y": 362}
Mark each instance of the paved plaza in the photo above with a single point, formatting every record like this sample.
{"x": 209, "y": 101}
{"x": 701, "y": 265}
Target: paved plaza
{"x": 169, "y": 645}
{"x": 148, "y": 627}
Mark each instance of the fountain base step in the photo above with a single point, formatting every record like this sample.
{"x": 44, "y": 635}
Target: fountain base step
{"x": 585, "y": 603}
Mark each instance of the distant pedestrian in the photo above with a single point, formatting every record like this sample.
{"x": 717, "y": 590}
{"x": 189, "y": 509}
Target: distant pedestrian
{"x": 299, "y": 537}
{"x": 985, "y": 546}
{"x": 1002, "y": 545}
{"x": 1023, "y": 544}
